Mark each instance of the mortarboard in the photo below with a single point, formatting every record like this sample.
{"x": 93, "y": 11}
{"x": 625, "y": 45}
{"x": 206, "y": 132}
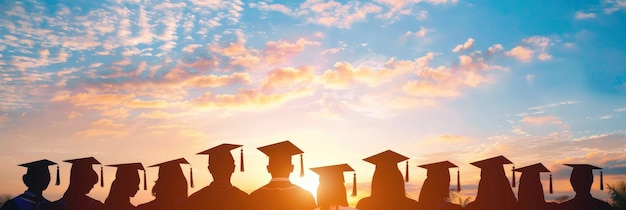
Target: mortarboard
{"x": 535, "y": 168}
{"x": 389, "y": 158}
{"x": 441, "y": 169}
{"x": 334, "y": 174}
{"x": 586, "y": 169}
{"x": 42, "y": 164}
{"x": 221, "y": 153}
{"x": 175, "y": 165}
{"x": 87, "y": 163}
{"x": 494, "y": 163}
{"x": 281, "y": 152}
{"x": 131, "y": 168}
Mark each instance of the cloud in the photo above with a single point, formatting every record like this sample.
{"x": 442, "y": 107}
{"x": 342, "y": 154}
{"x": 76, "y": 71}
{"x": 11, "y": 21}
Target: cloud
{"x": 544, "y": 56}
{"x": 278, "y": 51}
{"x": 530, "y": 78}
{"x": 623, "y": 109}
{"x": 336, "y": 14}
{"x": 74, "y": 115}
{"x": 245, "y": 99}
{"x": 608, "y": 116}
{"x": 521, "y": 53}
{"x": 495, "y": 48}
{"x": 465, "y": 46}
{"x": 216, "y": 81}
{"x": 288, "y": 77}
{"x": 344, "y": 75}
{"x": 399, "y": 4}
{"x": 540, "y": 120}
{"x": 263, "y": 6}
{"x": 89, "y": 99}
{"x": 421, "y": 33}
{"x": 104, "y": 127}
{"x": 583, "y": 16}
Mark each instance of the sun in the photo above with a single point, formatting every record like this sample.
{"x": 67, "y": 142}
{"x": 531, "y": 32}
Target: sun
{"x": 309, "y": 183}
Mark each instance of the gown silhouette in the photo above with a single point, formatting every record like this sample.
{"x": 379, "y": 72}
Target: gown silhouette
{"x": 436, "y": 188}
{"x": 125, "y": 186}
{"x": 82, "y": 180}
{"x": 331, "y": 192}
{"x": 220, "y": 194}
{"x": 280, "y": 193}
{"x": 494, "y": 191}
{"x": 581, "y": 180}
{"x": 170, "y": 189}
{"x": 530, "y": 191}
{"x": 387, "y": 184}
{"x": 37, "y": 179}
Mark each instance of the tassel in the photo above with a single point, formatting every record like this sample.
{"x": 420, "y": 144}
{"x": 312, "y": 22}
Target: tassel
{"x": 145, "y": 181}
{"x": 58, "y": 182}
{"x": 353, "y": 184}
{"x": 458, "y": 181}
{"x": 513, "y": 184}
{"x": 191, "y": 176}
{"x": 101, "y": 176}
{"x": 241, "y": 160}
{"x": 550, "y": 183}
{"x": 601, "y": 182}
{"x": 301, "y": 166}
{"x": 406, "y": 174}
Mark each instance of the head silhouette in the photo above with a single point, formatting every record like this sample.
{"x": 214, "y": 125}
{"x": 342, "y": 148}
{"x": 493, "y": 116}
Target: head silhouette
{"x": 331, "y": 190}
{"x": 171, "y": 186}
{"x": 37, "y": 178}
{"x": 387, "y": 182}
{"x": 437, "y": 184}
{"x": 280, "y": 158}
{"x": 126, "y": 183}
{"x": 221, "y": 162}
{"x": 82, "y": 175}
{"x": 582, "y": 177}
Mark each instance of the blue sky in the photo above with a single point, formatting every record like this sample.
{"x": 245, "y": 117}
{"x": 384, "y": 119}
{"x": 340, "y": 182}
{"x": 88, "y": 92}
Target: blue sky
{"x": 435, "y": 80}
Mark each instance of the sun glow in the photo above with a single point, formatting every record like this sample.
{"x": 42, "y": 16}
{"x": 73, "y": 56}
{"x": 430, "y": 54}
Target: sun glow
{"x": 309, "y": 183}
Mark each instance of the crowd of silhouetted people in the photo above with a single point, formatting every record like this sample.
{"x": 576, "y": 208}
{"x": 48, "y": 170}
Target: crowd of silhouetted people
{"x": 170, "y": 191}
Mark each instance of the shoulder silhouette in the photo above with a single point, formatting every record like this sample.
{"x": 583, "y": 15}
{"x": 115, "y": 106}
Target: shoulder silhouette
{"x": 387, "y": 184}
{"x": 220, "y": 194}
{"x": 581, "y": 180}
{"x": 280, "y": 193}
{"x": 331, "y": 192}
{"x": 494, "y": 191}
{"x": 436, "y": 188}
{"x": 82, "y": 180}
{"x": 170, "y": 189}
{"x": 125, "y": 186}
{"x": 37, "y": 179}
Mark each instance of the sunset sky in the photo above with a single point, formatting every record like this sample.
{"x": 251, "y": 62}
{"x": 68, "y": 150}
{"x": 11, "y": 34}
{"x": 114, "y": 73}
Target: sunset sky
{"x": 458, "y": 80}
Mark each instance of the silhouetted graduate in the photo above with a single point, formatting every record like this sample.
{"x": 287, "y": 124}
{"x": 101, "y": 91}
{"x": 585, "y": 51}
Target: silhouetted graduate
{"x": 387, "y": 184}
{"x": 530, "y": 192}
{"x": 220, "y": 194}
{"x": 37, "y": 179}
{"x": 331, "y": 192}
{"x": 436, "y": 189}
{"x": 170, "y": 189}
{"x": 494, "y": 191}
{"x": 82, "y": 180}
{"x": 581, "y": 180}
{"x": 125, "y": 186}
{"x": 280, "y": 193}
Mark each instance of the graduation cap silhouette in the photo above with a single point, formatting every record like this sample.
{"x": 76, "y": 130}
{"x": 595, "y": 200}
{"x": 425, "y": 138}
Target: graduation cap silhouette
{"x": 334, "y": 174}
{"x": 281, "y": 152}
{"x": 82, "y": 165}
{"x": 534, "y": 170}
{"x": 174, "y": 165}
{"x": 442, "y": 169}
{"x": 389, "y": 158}
{"x": 130, "y": 169}
{"x": 585, "y": 170}
{"x": 221, "y": 154}
{"x": 494, "y": 163}
{"x": 42, "y": 165}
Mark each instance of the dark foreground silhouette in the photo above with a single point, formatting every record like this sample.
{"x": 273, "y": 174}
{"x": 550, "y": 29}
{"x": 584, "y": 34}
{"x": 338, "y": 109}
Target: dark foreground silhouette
{"x": 387, "y": 192}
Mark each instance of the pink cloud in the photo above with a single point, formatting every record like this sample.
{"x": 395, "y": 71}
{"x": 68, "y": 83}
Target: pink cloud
{"x": 279, "y": 51}
{"x": 521, "y": 53}
{"x": 540, "y": 120}
{"x": 467, "y": 45}
{"x": 288, "y": 76}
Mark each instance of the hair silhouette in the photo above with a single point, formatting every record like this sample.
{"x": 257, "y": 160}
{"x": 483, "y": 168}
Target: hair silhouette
{"x": 170, "y": 189}
{"x": 494, "y": 191}
{"x": 436, "y": 188}
{"x": 331, "y": 192}
{"x": 581, "y": 180}
{"x": 82, "y": 180}
{"x": 125, "y": 186}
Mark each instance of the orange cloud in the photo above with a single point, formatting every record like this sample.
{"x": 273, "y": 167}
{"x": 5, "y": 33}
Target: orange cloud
{"x": 344, "y": 75}
{"x": 521, "y": 53}
{"x": 288, "y": 76}
{"x": 540, "y": 120}
{"x": 89, "y": 99}
{"x": 245, "y": 99}
{"x": 429, "y": 89}
{"x": 217, "y": 81}
{"x": 467, "y": 45}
